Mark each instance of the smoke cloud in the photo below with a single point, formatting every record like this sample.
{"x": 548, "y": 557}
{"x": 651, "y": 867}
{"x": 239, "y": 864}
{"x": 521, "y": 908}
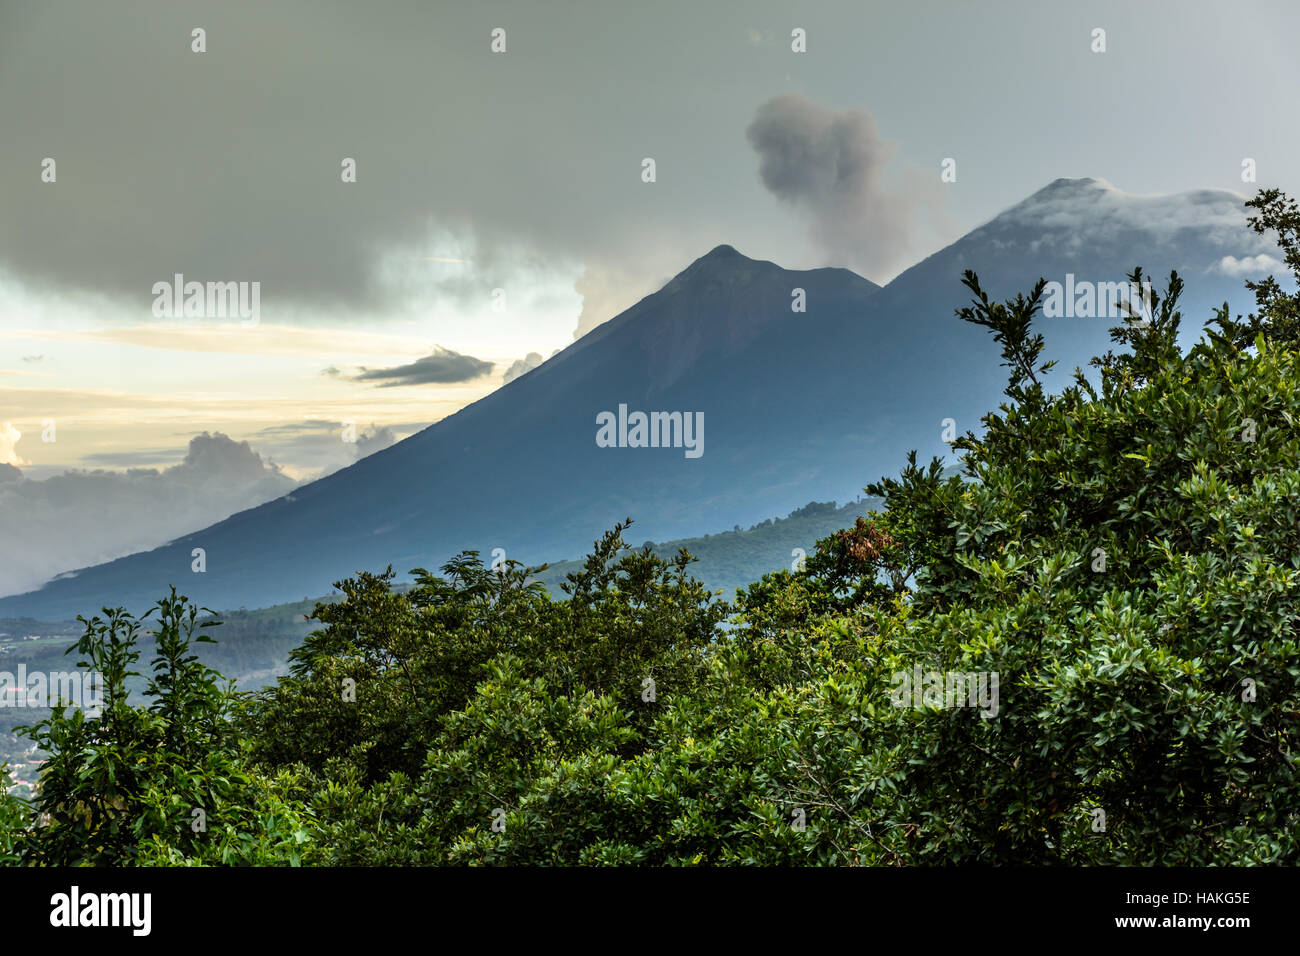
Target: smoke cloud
{"x": 829, "y": 165}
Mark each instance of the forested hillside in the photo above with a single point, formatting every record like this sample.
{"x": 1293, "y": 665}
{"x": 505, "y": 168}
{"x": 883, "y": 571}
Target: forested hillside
{"x": 1115, "y": 579}
{"x": 731, "y": 560}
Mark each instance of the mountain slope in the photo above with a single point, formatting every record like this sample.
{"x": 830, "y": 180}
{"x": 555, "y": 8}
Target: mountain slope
{"x": 796, "y": 406}
{"x": 731, "y": 560}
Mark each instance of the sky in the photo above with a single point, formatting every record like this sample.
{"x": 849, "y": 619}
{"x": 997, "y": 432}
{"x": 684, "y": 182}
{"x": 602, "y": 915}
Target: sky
{"x": 501, "y": 205}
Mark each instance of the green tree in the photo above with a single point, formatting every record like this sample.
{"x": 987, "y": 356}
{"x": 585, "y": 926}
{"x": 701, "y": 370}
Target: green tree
{"x": 165, "y": 783}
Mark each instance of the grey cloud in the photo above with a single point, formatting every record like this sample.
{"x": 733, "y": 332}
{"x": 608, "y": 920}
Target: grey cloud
{"x": 280, "y": 115}
{"x": 443, "y": 367}
{"x": 306, "y": 426}
{"x": 520, "y": 366}
{"x": 829, "y": 164}
{"x": 253, "y": 191}
{"x": 463, "y": 183}
{"x": 377, "y": 438}
{"x": 316, "y": 445}
{"x": 81, "y": 518}
{"x": 130, "y": 459}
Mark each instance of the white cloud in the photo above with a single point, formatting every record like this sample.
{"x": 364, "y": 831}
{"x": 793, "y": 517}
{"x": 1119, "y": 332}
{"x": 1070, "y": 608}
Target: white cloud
{"x": 1259, "y": 265}
{"x": 9, "y": 436}
{"x": 1075, "y": 214}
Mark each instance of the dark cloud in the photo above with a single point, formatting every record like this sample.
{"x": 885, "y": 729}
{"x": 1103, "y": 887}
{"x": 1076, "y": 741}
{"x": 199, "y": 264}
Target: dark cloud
{"x": 452, "y": 199}
{"x": 442, "y": 367}
{"x": 81, "y": 518}
{"x": 444, "y": 206}
{"x": 304, "y": 427}
{"x": 829, "y": 164}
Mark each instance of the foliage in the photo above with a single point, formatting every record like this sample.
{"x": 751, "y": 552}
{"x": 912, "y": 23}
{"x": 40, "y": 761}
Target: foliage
{"x": 166, "y": 783}
{"x": 14, "y": 821}
{"x": 372, "y": 688}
